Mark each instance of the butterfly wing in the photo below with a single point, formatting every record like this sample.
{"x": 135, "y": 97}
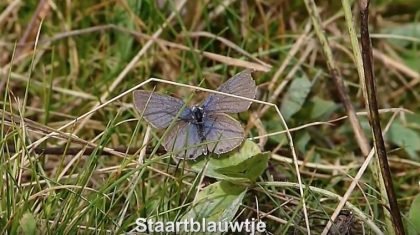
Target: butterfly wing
{"x": 184, "y": 140}
{"x": 158, "y": 110}
{"x": 241, "y": 84}
{"x": 222, "y": 133}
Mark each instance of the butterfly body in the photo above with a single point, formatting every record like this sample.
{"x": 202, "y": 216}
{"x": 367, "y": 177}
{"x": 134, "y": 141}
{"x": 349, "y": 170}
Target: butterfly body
{"x": 197, "y": 118}
{"x": 203, "y": 128}
{"x": 197, "y": 115}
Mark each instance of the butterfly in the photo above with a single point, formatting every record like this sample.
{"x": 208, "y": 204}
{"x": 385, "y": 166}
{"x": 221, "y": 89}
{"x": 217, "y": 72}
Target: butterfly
{"x": 200, "y": 129}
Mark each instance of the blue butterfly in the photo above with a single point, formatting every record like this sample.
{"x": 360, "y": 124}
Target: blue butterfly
{"x": 203, "y": 128}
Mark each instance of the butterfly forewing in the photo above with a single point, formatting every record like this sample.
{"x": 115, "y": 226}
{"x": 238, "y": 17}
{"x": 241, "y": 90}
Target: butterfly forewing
{"x": 158, "y": 110}
{"x": 222, "y": 133}
{"x": 242, "y": 85}
{"x": 183, "y": 139}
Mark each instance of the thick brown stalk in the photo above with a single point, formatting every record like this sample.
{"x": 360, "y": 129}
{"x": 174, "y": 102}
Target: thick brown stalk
{"x": 374, "y": 116}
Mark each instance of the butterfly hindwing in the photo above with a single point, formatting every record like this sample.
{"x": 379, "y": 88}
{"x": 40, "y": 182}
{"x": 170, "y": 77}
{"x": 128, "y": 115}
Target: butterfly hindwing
{"x": 184, "y": 140}
{"x": 222, "y": 133}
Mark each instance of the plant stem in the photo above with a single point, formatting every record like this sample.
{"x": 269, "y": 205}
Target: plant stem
{"x": 374, "y": 116}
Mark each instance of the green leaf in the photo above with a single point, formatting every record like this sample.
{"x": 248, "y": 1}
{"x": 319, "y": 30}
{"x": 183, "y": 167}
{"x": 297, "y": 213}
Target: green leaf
{"x": 405, "y": 138}
{"x": 412, "y": 60}
{"x": 217, "y": 202}
{"x": 413, "y": 225}
{"x": 272, "y": 125}
{"x": 244, "y": 166}
{"x": 28, "y": 224}
{"x": 302, "y": 140}
{"x": 413, "y": 120}
{"x": 250, "y": 169}
{"x": 408, "y": 30}
{"x": 321, "y": 108}
{"x": 295, "y": 96}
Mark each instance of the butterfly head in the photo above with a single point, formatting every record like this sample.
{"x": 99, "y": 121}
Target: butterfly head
{"x": 197, "y": 114}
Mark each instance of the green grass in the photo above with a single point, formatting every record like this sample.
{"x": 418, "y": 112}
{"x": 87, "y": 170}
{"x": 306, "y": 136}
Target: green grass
{"x": 97, "y": 190}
